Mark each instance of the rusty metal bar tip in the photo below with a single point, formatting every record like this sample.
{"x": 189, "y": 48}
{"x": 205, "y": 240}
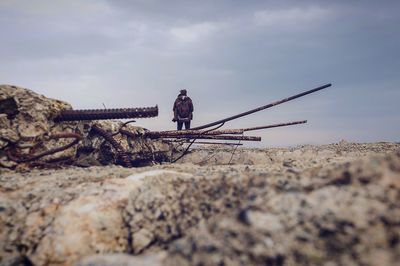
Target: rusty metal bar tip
{"x": 262, "y": 107}
{"x": 276, "y": 125}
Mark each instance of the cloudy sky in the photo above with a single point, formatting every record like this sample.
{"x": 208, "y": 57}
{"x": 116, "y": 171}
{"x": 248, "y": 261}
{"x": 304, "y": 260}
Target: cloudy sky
{"x": 232, "y": 56}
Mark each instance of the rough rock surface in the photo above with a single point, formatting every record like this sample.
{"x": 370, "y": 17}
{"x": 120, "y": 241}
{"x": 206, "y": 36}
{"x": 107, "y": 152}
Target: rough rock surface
{"x": 335, "y": 204}
{"x": 343, "y": 215}
{"x": 26, "y": 127}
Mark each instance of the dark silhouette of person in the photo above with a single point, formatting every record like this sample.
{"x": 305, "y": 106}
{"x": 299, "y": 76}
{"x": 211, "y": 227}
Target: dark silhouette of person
{"x": 183, "y": 110}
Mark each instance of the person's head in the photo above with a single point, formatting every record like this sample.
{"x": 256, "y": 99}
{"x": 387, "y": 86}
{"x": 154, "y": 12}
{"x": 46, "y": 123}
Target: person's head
{"x": 183, "y": 92}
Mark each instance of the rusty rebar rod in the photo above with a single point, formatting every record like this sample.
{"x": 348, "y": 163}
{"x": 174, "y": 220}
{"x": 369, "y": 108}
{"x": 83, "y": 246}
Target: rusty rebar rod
{"x": 176, "y": 133}
{"x": 122, "y": 154}
{"x": 61, "y": 135}
{"x": 158, "y": 134}
{"x": 275, "y": 125}
{"x": 203, "y": 142}
{"x": 262, "y": 107}
{"x": 242, "y": 138}
{"x": 102, "y": 114}
{"x": 128, "y": 133}
{"x": 196, "y": 136}
{"x": 217, "y": 143}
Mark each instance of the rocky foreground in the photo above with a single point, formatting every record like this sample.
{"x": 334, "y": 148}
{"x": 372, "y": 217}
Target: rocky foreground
{"x": 66, "y": 199}
{"x": 335, "y": 204}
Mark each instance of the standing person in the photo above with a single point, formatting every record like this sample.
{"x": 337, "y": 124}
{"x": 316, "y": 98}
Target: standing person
{"x": 183, "y": 110}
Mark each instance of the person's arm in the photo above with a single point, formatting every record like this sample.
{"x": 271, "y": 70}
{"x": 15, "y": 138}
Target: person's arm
{"x": 191, "y": 106}
{"x": 174, "y": 110}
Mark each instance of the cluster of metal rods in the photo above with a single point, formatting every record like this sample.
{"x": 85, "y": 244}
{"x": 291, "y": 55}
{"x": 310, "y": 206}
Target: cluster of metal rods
{"x": 122, "y": 154}
{"x": 184, "y": 136}
{"x": 80, "y": 115}
{"x": 229, "y": 134}
{"x": 224, "y": 134}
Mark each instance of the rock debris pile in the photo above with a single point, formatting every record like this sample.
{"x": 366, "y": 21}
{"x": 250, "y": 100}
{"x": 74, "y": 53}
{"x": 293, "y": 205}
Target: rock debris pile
{"x": 345, "y": 215}
{"x": 28, "y": 130}
{"x": 335, "y": 210}
{"x": 336, "y": 204}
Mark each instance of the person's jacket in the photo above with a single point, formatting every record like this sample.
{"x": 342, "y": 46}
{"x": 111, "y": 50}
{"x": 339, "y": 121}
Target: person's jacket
{"x": 183, "y": 108}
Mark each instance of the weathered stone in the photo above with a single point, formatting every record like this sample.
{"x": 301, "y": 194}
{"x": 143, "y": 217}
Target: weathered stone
{"x": 141, "y": 240}
{"x": 333, "y": 204}
{"x": 26, "y": 122}
{"x": 222, "y": 214}
{"x": 122, "y": 260}
{"x": 4, "y": 162}
{"x": 349, "y": 221}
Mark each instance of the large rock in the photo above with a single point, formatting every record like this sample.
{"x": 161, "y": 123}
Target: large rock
{"x": 28, "y": 114}
{"x": 94, "y": 222}
{"x": 237, "y": 215}
{"x": 333, "y": 204}
{"x": 122, "y": 260}
{"x": 67, "y": 216}
{"x": 347, "y": 215}
{"x": 26, "y": 127}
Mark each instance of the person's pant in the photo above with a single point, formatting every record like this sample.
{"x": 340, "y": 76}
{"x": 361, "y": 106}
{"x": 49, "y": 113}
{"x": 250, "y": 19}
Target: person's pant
{"x": 180, "y": 124}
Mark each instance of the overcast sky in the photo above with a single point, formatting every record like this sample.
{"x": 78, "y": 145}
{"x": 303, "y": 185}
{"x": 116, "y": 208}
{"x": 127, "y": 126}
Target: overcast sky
{"x": 231, "y": 56}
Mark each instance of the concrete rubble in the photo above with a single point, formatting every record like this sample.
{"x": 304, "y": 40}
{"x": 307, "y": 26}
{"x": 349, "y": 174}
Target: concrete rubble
{"x": 336, "y": 204}
{"x": 26, "y": 124}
